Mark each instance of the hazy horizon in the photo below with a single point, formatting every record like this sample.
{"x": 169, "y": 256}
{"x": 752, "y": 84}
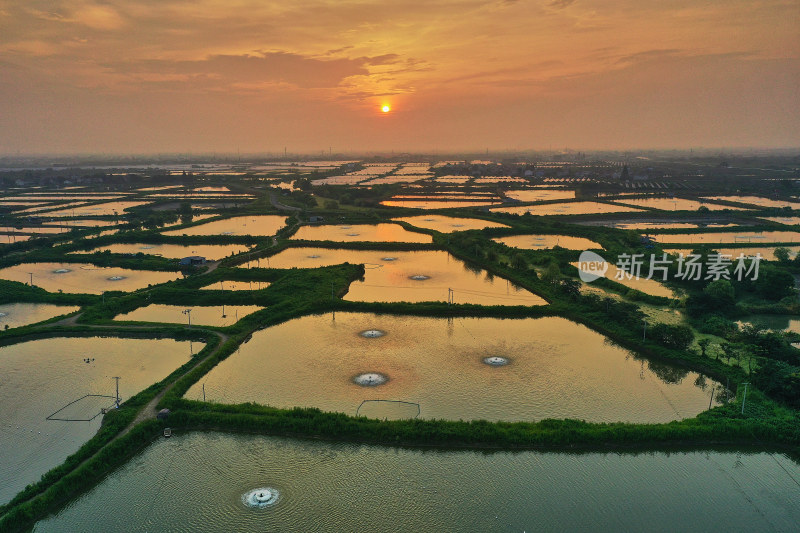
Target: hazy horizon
{"x": 138, "y": 77}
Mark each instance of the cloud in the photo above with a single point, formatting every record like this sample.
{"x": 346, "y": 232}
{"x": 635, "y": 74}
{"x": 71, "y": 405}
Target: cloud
{"x": 264, "y": 67}
{"x": 560, "y": 4}
{"x": 95, "y": 16}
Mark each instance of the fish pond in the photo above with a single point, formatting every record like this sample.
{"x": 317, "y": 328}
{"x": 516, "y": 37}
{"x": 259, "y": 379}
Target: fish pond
{"x": 84, "y": 277}
{"x": 211, "y": 252}
{"x": 445, "y": 224}
{"x": 542, "y": 242}
{"x": 21, "y": 314}
{"x": 256, "y": 225}
{"x": 43, "y": 376}
{"x": 418, "y": 276}
{"x": 360, "y": 232}
{"x": 566, "y": 208}
{"x": 219, "y": 315}
{"x": 209, "y": 482}
{"x": 464, "y": 368}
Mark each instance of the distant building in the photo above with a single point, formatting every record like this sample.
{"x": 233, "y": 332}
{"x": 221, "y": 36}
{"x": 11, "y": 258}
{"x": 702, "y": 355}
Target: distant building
{"x": 316, "y": 219}
{"x": 194, "y": 260}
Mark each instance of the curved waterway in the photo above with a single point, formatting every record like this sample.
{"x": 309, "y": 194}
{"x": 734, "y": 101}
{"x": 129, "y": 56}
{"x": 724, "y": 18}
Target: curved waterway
{"x": 554, "y": 369}
{"x": 196, "y": 482}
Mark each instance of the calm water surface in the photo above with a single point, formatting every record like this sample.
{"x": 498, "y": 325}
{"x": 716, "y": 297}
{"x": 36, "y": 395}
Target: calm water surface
{"x": 39, "y": 377}
{"x": 201, "y": 315}
{"x": 195, "y": 482}
{"x": 259, "y": 225}
{"x": 109, "y": 208}
{"x": 211, "y": 252}
{"x": 731, "y": 237}
{"x": 420, "y": 276}
{"x": 647, "y": 286}
{"x": 556, "y": 369}
{"x": 84, "y": 278}
{"x": 540, "y": 242}
{"x": 539, "y": 195}
{"x": 675, "y": 204}
{"x": 450, "y": 224}
{"x": 757, "y": 200}
{"x": 236, "y": 286}
{"x": 21, "y": 314}
{"x": 571, "y": 208}
{"x": 360, "y": 232}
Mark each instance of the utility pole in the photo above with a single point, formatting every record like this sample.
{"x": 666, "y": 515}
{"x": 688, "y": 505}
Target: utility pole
{"x": 31, "y": 274}
{"x": 188, "y": 313}
{"x": 204, "y": 392}
{"x": 117, "y": 378}
{"x": 745, "y": 395}
{"x": 644, "y": 331}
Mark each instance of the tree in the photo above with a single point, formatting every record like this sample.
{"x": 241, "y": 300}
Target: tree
{"x": 185, "y": 212}
{"x": 729, "y": 350}
{"x": 679, "y": 336}
{"x": 518, "y": 262}
{"x": 720, "y": 293}
{"x": 703, "y": 344}
{"x": 774, "y": 283}
{"x": 782, "y": 254}
{"x": 304, "y": 184}
{"x": 552, "y": 273}
{"x": 570, "y": 287}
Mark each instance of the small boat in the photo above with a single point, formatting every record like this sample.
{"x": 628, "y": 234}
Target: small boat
{"x": 167, "y": 432}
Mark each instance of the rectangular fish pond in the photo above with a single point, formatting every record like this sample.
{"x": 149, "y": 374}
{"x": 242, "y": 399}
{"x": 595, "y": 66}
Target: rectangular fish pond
{"x": 464, "y": 368}
{"x": 207, "y": 315}
{"x": 21, "y": 314}
{"x": 84, "y": 277}
{"x": 209, "y": 482}
{"x": 40, "y": 377}
{"x": 419, "y": 276}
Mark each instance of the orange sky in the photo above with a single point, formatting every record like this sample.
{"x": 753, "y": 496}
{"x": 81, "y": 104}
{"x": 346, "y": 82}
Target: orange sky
{"x": 258, "y": 75}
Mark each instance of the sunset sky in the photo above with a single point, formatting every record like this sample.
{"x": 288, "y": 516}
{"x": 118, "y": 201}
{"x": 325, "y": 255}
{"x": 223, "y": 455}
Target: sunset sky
{"x": 259, "y": 75}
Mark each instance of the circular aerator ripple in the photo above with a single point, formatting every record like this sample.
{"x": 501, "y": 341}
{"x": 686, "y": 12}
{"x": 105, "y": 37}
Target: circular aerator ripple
{"x": 370, "y": 379}
{"x": 372, "y": 333}
{"x": 495, "y": 360}
{"x": 388, "y": 259}
{"x": 419, "y": 277}
{"x": 116, "y": 278}
{"x": 260, "y": 498}
{"x": 61, "y": 271}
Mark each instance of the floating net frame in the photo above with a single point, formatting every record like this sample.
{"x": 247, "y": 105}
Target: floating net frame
{"x": 390, "y": 401}
{"x": 102, "y": 410}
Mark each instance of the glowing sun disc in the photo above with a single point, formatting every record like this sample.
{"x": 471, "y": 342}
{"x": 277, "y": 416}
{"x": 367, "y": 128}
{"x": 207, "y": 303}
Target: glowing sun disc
{"x": 386, "y": 109}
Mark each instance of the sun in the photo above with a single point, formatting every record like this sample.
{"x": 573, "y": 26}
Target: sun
{"x": 386, "y": 108}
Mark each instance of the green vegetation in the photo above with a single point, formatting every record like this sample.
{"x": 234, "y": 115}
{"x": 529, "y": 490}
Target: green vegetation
{"x": 706, "y": 338}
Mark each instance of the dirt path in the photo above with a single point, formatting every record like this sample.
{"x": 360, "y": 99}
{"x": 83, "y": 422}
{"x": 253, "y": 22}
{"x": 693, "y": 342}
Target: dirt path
{"x": 149, "y": 411}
